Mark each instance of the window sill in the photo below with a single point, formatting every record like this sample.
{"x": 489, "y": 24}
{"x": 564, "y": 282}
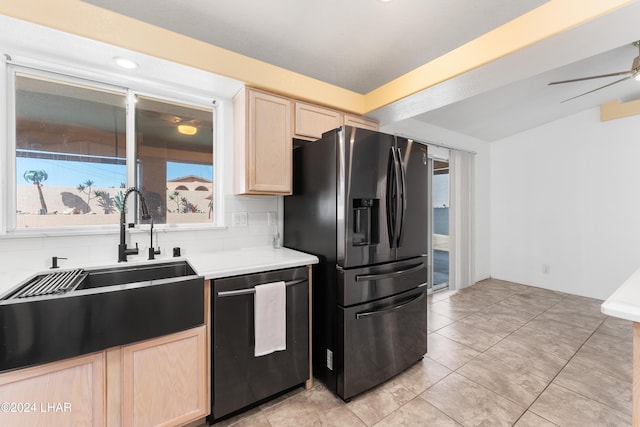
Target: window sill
{"x": 110, "y": 230}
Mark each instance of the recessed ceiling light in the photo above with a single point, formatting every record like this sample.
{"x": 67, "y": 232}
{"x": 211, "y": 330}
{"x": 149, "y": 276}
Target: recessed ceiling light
{"x": 125, "y": 63}
{"x": 385, "y": 1}
{"x": 187, "y": 129}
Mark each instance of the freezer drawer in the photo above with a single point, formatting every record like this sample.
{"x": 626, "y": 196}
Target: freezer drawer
{"x": 364, "y": 284}
{"x": 239, "y": 378}
{"x": 381, "y": 339}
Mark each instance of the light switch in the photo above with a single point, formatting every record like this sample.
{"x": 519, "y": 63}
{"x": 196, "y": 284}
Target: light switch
{"x": 239, "y": 219}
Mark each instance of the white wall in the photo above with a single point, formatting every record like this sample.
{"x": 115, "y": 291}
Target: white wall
{"x": 567, "y": 195}
{"x": 421, "y": 131}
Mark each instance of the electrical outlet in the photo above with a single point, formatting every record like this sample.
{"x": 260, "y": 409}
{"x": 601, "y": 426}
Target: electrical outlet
{"x": 330, "y": 359}
{"x": 239, "y": 219}
{"x": 271, "y": 218}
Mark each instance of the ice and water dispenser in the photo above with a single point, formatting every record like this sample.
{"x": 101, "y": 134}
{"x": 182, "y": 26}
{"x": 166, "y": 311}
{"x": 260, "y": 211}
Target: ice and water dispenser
{"x": 365, "y": 222}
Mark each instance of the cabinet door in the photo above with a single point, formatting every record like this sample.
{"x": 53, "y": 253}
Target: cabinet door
{"x": 361, "y": 122}
{"x": 66, "y": 393}
{"x": 270, "y": 148}
{"x": 165, "y": 380}
{"x": 268, "y": 144}
{"x": 312, "y": 121}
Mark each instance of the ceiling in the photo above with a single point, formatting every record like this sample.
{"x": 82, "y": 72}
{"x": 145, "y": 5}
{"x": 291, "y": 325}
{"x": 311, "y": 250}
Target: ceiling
{"x": 362, "y": 44}
{"x": 356, "y": 44}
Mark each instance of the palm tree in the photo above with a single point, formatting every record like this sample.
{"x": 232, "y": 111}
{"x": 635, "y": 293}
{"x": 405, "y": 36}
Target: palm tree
{"x": 36, "y": 177}
{"x": 86, "y": 186}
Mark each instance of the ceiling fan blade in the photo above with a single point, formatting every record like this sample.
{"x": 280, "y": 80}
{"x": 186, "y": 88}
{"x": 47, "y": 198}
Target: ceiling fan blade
{"x": 601, "y": 87}
{"x": 621, "y": 73}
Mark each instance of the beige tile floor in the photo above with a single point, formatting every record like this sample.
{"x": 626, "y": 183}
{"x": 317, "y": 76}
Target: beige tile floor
{"x": 500, "y": 354}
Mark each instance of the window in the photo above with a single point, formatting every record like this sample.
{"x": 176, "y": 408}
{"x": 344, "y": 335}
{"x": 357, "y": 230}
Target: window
{"x": 73, "y": 157}
{"x": 174, "y": 145}
{"x": 70, "y": 153}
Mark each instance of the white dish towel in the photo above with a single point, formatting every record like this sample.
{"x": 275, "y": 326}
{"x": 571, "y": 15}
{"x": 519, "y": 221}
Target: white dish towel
{"x": 270, "y": 318}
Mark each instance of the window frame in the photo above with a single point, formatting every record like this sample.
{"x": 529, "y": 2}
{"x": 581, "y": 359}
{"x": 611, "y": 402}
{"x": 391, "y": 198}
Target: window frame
{"x": 217, "y": 177}
{"x": 93, "y": 79}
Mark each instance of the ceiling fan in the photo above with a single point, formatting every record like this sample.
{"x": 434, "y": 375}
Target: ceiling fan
{"x": 634, "y": 72}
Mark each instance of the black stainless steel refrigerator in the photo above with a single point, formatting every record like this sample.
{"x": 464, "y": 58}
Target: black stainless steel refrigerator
{"x": 359, "y": 203}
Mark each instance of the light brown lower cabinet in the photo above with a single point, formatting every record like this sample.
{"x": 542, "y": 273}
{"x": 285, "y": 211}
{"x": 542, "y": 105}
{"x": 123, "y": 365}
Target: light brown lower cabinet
{"x": 159, "y": 382}
{"x": 164, "y": 380}
{"x": 65, "y": 393}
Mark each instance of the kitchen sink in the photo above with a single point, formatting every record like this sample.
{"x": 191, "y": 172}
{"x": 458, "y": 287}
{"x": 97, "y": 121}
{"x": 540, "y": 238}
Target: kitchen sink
{"x": 114, "y": 276}
{"x": 61, "y": 282}
{"x": 56, "y": 315}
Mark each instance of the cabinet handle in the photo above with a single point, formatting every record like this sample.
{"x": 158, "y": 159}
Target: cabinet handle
{"x": 253, "y": 291}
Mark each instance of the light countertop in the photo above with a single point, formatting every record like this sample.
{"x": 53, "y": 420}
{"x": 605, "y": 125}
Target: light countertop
{"x": 211, "y": 265}
{"x": 625, "y": 301}
{"x": 245, "y": 261}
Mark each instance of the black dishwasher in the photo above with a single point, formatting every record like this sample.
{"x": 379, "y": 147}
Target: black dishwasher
{"x": 240, "y": 379}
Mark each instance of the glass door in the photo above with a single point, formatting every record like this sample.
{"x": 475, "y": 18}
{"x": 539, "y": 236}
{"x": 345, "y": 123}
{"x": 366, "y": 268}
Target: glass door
{"x": 439, "y": 224}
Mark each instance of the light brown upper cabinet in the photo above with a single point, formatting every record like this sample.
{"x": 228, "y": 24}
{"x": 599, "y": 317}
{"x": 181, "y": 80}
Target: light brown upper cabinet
{"x": 264, "y": 125}
{"x": 312, "y": 121}
{"x": 361, "y": 122}
{"x": 262, "y": 143}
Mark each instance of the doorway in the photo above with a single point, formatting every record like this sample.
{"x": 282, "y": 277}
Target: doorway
{"x": 439, "y": 232}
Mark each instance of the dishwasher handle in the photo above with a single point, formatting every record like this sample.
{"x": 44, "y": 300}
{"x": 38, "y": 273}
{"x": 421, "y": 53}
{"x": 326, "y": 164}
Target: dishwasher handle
{"x": 253, "y": 291}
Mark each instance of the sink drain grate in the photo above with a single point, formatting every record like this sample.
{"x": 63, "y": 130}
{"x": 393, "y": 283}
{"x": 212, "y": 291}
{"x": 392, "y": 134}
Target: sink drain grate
{"x": 52, "y": 283}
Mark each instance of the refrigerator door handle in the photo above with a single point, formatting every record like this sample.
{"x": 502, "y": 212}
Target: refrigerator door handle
{"x": 380, "y": 276}
{"x": 398, "y": 183}
{"x": 390, "y": 309}
{"x": 391, "y": 198}
{"x": 402, "y": 200}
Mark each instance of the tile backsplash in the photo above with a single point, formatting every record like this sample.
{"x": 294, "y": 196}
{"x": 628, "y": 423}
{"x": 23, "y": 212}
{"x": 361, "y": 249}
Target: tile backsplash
{"x": 33, "y": 253}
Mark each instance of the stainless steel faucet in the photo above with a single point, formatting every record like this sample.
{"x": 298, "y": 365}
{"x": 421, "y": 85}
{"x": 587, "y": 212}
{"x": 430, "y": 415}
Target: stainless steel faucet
{"x": 123, "y": 251}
